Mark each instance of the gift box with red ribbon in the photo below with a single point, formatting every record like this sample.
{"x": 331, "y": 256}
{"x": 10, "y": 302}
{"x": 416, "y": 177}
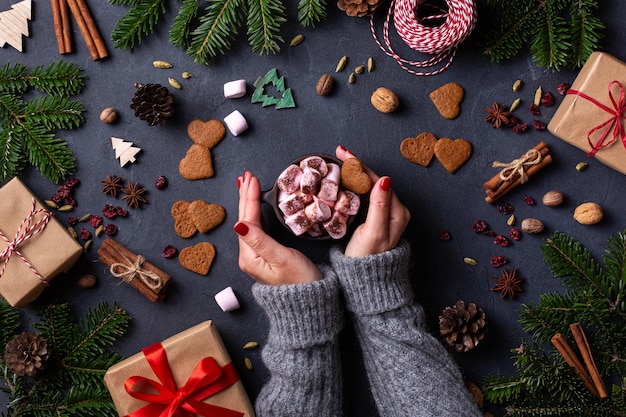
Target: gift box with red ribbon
{"x": 591, "y": 115}
{"x": 189, "y": 374}
{"x": 34, "y": 246}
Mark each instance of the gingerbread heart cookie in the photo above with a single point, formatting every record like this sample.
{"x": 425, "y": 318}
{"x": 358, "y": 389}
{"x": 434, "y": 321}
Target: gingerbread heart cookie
{"x": 197, "y": 258}
{"x": 183, "y": 222}
{"x": 419, "y": 150}
{"x": 208, "y": 133}
{"x": 447, "y": 99}
{"x": 452, "y": 153}
{"x": 206, "y": 216}
{"x": 197, "y": 163}
{"x": 354, "y": 177}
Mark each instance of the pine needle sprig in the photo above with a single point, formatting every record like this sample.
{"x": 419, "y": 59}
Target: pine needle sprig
{"x": 181, "y": 26}
{"x": 552, "y": 28}
{"x": 27, "y": 127}
{"x": 546, "y": 384}
{"x": 9, "y": 322}
{"x": 140, "y": 21}
{"x": 311, "y": 12}
{"x": 265, "y": 18}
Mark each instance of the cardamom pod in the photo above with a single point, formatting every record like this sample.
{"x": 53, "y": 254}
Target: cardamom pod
{"x": 99, "y": 230}
{"x": 351, "y": 78}
{"x": 161, "y": 64}
{"x": 581, "y": 165}
{"x": 186, "y": 75}
{"x": 515, "y": 104}
{"x": 72, "y": 232}
{"x": 251, "y": 345}
{"x": 85, "y": 217}
{"x": 511, "y": 220}
{"x": 360, "y": 69}
{"x": 297, "y": 40}
{"x": 248, "y": 363}
{"x": 370, "y": 64}
{"x": 517, "y": 85}
{"x": 51, "y": 204}
{"x": 470, "y": 261}
{"x": 341, "y": 64}
{"x": 66, "y": 208}
{"x": 174, "y": 83}
{"x": 538, "y": 94}
{"x": 87, "y": 245}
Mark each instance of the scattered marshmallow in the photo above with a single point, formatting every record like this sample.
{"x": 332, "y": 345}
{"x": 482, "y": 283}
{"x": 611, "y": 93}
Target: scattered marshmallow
{"x": 227, "y": 300}
{"x": 236, "y": 123}
{"x": 235, "y": 89}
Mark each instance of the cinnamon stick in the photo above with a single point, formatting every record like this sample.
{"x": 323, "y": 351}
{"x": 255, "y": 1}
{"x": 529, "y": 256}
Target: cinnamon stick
{"x": 58, "y": 24}
{"x": 88, "y": 29}
{"x": 111, "y": 252}
{"x": 495, "y": 188}
{"x": 67, "y": 30}
{"x": 585, "y": 351}
{"x": 572, "y": 360}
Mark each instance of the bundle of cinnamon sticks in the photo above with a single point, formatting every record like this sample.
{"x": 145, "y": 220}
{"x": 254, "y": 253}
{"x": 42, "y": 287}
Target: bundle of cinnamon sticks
{"x": 589, "y": 375}
{"x": 85, "y": 22}
{"x": 134, "y": 270}
{"x": 517, "y": 172}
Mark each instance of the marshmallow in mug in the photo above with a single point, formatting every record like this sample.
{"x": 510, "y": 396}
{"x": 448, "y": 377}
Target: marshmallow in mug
{"x": 311, "y": 200}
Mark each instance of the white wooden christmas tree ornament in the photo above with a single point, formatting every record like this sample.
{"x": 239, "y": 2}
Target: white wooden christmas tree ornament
{"x": 14, "y": 24}
{"x": 124, "y": 151}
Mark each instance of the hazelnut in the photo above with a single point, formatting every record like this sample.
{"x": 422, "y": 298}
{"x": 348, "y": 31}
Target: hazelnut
{"x": 588, "y": 213}
{"x": 532, "y": 225}
{"x": 552, "y": 198}
{"x": 324, "y": 85}
{"x": 384, "y": 100}
{"x": 108, "y": 115}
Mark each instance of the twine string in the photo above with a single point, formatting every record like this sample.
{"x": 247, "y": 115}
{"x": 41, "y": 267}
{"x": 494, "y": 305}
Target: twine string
{"x": 530, "y": 158}
{"x": 25, "y": 231}
{"x": 441, "y": 41}
{"x": 130, "y": 271}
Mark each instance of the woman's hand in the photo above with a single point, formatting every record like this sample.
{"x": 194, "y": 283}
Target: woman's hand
{"x": 260, "y": 256}
{"x": 386, "y": 217}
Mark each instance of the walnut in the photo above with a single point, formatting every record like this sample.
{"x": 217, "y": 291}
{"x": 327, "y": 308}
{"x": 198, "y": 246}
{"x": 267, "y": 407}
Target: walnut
{"x": 588, "y": 213}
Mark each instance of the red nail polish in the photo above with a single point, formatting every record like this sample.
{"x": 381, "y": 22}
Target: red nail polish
{"x": 239, "y": 181}
{"x": 385, "y": 184}
{"x": 241, "y": 229}
{"x": 341, "y": 148}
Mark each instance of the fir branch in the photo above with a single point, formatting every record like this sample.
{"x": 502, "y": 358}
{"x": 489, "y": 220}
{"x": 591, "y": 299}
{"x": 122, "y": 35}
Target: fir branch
{"x": 9, "y": 322}
{"x": 549, "y": 46}
{"x": 179, "y": 32}
{"x": 311, "y": 12}
{"x": 264, "y": 20}
{"x": 140, "y": 20}
{"x": 13, "y": 78}
{"x": 55, "y": 112}
{"x": 586, "y": 30}
{"x": 59, "y": 78}
{"x": 217, "y": 30}
{"x": 49, "y": 154}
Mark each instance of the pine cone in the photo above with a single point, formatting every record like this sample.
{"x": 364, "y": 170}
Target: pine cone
{"x": 462, "y": 327}
{"x": 26, "y": 354}
{"x": 359, "y": 8}
{"x": 153, "y": 103}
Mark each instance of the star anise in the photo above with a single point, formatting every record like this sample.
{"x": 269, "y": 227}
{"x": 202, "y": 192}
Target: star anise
{"x": 508, "y": 284}
{"x": 497, "y": 115}
{"x": 111, "y": 185}
{"x": 134, "y": 194}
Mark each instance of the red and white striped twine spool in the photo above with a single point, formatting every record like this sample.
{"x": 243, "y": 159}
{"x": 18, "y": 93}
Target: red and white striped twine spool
{"x": 441, "y": 41}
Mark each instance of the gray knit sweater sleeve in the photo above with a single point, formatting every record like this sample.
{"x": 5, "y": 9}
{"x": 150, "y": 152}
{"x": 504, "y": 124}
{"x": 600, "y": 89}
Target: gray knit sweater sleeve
{"x": 302, "y": 351}
{"x": 410, "y": 372}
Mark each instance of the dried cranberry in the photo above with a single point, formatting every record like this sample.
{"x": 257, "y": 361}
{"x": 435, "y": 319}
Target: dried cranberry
{"x": 479, "y": 226}
{"x": 57, "y": 198}
{"x": 64, "y": 191}
{"x": 489, "y": 233}
{"x": 547, "y": 100}
{"x": 497, "y": 261}
{"x": 520, "y": 128}
{"x": 109, "y": 211}
{"x": 72, "y": 220}
{"x": 505, "y": 208}
{"x": 161, "y": 183}
{"x": 444, "y": 235}
{"x": 84, "y": 234}
{"x": 70, "y": 201}
{"x": 534, "y": 109}
{"x": 121, "y": 211}
{"x": 562, "y": 88}
{"x": 515, "y": 233}
{"x": 539, "y": 125}
{"x": 109, "y": 229}
{"x": 514, "y": 121}
{"x": 95, "y": 221}
{"x": 72, "y": 182}
{"x": 501, "y": 240}
{"x": 529, "y": 200}
{"x": 169, "y": 251}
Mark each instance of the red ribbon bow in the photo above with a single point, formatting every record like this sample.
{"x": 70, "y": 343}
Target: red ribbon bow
{"x": 614, "y": 123}
{"x": 25, "y": 231}
{"x": 206, "y": 379}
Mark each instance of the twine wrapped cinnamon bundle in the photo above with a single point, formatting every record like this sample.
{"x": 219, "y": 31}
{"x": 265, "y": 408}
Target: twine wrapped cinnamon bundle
{"x": 134, "y": 270}
{"x": 516, "y": 172}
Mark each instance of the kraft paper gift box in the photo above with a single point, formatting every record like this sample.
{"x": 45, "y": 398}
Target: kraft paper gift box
{"x": 183, "y": 355}
{"x": 34, "y": 246}
{"x": 590, "y": 115}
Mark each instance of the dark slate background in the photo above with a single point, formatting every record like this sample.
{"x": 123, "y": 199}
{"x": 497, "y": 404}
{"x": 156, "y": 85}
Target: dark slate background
{"x": 437, "y": 199}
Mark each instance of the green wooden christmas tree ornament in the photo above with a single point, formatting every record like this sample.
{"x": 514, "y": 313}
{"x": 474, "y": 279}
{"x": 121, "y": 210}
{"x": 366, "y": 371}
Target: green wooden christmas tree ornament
{"x": 259, "y": 96}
